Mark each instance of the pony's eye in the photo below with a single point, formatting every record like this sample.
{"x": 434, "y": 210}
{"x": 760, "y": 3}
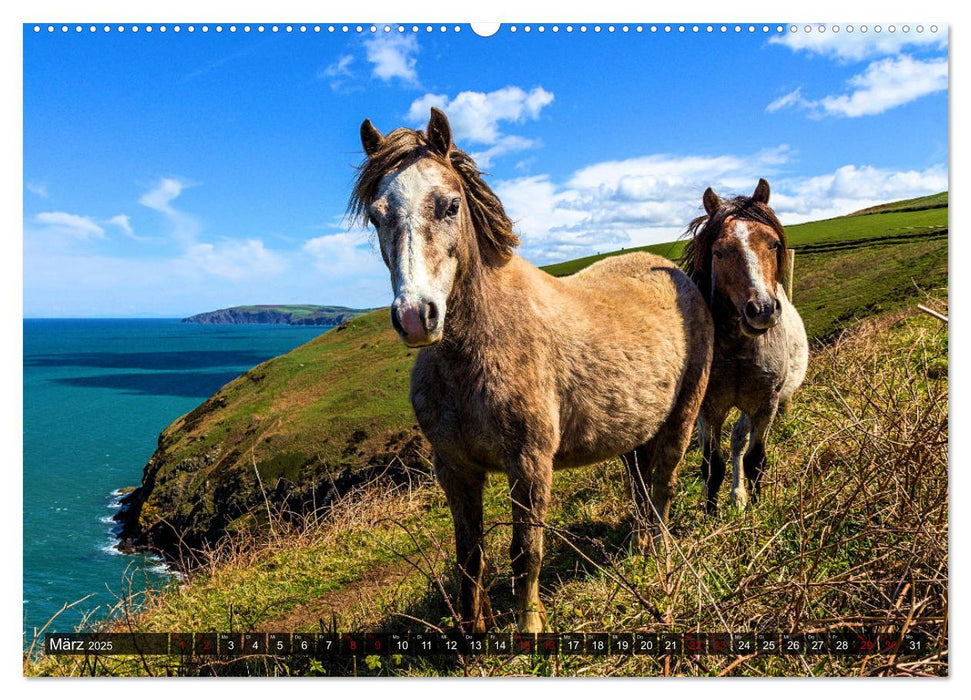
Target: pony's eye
{"x": 717, "y": 253}
{"x": 374, "y": 221}
{"x": 775, "y": 245}
{"x": 453, "y": 207}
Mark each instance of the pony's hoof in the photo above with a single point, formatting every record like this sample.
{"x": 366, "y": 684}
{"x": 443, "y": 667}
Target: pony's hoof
{"x": 740, "y": 499}
{"x": 532, "y": 621}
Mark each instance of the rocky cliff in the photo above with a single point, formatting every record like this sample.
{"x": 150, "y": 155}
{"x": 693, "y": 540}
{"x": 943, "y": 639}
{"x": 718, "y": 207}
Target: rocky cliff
{"x": 288, "y": 315}
{"x": 296, "y": 431}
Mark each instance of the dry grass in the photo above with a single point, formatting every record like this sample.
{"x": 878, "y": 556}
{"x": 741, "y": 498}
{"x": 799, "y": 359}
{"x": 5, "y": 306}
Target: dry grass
{"x": 851, "y": 532}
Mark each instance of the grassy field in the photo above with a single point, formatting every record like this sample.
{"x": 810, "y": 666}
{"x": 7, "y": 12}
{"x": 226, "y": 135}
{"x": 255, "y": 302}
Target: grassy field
{"x": 931, "y": 201}
{"x": 852, "y": 531}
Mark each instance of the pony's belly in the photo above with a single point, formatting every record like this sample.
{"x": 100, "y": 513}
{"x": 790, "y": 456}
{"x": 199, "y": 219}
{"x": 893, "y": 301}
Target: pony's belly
{"x": 582, "y": 458}
{"x": 611, "y": 428}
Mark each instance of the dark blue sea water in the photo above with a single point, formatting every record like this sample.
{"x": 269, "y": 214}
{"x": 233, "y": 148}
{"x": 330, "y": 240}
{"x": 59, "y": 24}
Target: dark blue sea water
{"x": 97, "y": 393}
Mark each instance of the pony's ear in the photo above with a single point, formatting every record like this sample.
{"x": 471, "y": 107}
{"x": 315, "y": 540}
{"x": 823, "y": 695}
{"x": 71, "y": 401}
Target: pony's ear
{"x": 711, "y": 201}
{"x": 761, "y": 194}
{"x": 371, "y": 138}
{"x": 439, "y": 132}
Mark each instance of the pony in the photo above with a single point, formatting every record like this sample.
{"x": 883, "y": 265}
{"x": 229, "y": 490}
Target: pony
{"x": 521, "y": 372}
{"x": 738, "y": 256}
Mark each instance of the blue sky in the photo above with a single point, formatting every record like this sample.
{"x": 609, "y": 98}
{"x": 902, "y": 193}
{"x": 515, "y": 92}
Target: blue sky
{"x": 168, "y": 174}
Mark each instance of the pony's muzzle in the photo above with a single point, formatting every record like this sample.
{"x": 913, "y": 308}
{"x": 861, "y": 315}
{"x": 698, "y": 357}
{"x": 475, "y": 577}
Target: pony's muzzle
{"x": 762, "y": 315}
{"x": 418, "y": 322}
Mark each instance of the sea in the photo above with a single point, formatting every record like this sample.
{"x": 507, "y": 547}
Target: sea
{"x": 97, "y": 393}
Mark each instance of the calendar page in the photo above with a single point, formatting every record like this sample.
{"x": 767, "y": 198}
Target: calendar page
{"x": 448, "y": 349}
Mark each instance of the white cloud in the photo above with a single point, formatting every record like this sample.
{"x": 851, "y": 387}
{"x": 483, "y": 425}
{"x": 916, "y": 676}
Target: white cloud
{"x": 345, "y": 254}
{"x": 631, "y": 202}
{"x": 229, "y": 258}
{"x": 80, "y": 227}
{"x": 341, "y": 66}
{"x": 857, "y": 45}
{"x": 475, "y": 116}
{"x": 185, "y": 228}
{"x": 160, "y": 197}
{"x": 505, "y": 144}
{"x": 38, "y": 188}
{"x": 850, "y": 188}
{"x": 338, "y": 72}
{"x": 790, "y": 99}
{"x": 122, "y": 221}
{"x": 68, "y": 283}
{"x": 393, "y": 57}
{"x": 651, "y": 199}
{"x": 885, "y": 84}
{"x": 659, "y": 173}
{"x": 235, "y": 259}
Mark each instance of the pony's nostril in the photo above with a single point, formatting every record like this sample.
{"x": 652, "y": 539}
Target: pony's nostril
{"x": 395, "y": 322}
{"x": 751, "y": 309}
{"x": 431, "y": 314}
{"x": 778, "y": 305}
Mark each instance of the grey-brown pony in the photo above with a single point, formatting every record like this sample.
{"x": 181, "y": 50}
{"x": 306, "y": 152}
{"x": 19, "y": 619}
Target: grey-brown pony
{"x": 521, "y": 372}
{"x": 738, "y": 257}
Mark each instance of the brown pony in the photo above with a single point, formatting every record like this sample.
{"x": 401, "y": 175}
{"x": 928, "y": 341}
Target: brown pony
{"x": 738, "y": 257}
{"x": 521, "y": 372}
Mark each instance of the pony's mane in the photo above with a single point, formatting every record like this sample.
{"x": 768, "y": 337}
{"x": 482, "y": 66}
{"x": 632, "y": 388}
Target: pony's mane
{"x": 402, "y": 147}
{"x": 703, "y": 231}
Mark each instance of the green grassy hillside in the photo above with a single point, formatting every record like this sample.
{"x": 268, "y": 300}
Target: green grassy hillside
{"x": 852, "y": 528}
{"x": 931, "y": 201}
{"x": 298, "y": 423}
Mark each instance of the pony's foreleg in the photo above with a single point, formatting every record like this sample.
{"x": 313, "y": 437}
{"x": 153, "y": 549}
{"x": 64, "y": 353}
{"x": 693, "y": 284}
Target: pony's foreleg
{"x": 463, "y": 490}
{"x": 755, "y": 459}
{"x": 740, "y": 439}
{"x": 529, "y": 486}
{"x": 640, "y": 463}
{"x": 710, "y": 426}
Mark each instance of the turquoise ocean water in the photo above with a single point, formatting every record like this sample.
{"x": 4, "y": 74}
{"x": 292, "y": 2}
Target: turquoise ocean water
{"x": 97, "y": 393}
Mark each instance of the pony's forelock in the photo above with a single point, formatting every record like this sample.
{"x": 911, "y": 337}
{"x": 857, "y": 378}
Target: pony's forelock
{"x": 403, "y": 146}
{"x": 704, "y": 230}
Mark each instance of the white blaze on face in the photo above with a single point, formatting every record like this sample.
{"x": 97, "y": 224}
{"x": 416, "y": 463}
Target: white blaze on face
{"x": 406, "y": 193}
{"x": 752, "y": 266}
{"x": 417, "y": 248}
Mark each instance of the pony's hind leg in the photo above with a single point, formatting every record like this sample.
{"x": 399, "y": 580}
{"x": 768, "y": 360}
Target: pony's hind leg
{"x": 755, "y": 459}
{"x": 740, "y": 440}
{"x": 656, "y": 461}
{"x": 710, "y": 426}
{"x": 653, "y": 471}
{"x": 463, "y": 490}
{"x": 529, "y": 488}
